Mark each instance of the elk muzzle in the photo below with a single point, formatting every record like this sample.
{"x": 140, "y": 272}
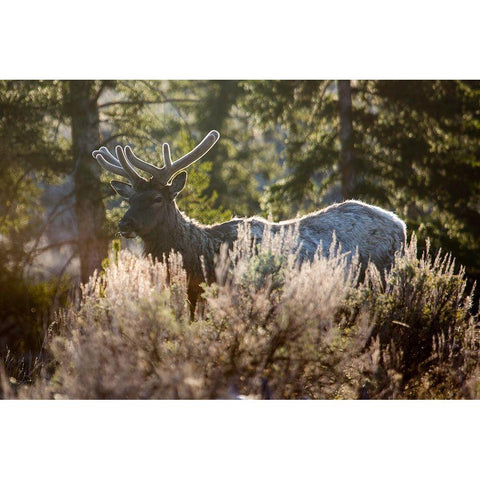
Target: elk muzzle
{"x": 127, "y": 228}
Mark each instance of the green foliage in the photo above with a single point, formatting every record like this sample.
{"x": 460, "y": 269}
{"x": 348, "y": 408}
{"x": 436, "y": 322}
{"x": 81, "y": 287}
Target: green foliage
{"x": 114, "y": 249}
{"x": 305, "y": 113}
{"x": 146, "y": 114}
{"x": 25, "y": 309}
{"x": 265, "y": 265}
{"x": 194, "y": 200}
{"x": 422, "y": 303}
{"x": 30, "y": 152}
{"x": 32, "y": 112}
{"x": 430, "y": 144}
{"x": 242, "y": 162}
{"x": 416, "y": 147}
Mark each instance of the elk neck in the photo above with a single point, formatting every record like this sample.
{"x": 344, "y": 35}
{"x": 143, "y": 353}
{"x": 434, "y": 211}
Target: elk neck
{"x": 186, "y": 237}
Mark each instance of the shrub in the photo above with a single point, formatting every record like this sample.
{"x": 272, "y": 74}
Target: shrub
{"x": 25, "y": 310}
{"x": 268, "y": 328}
{"x": 423, "y": 321}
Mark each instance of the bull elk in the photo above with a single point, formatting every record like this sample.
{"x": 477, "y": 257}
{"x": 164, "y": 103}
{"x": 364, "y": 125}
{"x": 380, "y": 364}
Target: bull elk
{"x": 154, "y": 216}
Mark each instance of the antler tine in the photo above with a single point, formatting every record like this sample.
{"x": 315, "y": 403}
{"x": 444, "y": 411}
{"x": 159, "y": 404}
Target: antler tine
{"x": 142, "y": 165}
{"x": 111, "y": 158}
{"x": 111, "y": 167}
{"x": 170, "y": 169}
{"x": 159, "y": 174}
{"x": 132, "y": 174}
{"x": 167, "y": 159}
{"x": 118, "y": 165}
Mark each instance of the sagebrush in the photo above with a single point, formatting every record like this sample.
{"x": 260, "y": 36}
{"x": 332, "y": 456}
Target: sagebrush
{"x": 267, "y": 328}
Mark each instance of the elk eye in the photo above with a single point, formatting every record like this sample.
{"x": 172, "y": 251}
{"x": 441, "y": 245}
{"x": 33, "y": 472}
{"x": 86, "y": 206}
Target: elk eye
{"x": 158, "y": 199}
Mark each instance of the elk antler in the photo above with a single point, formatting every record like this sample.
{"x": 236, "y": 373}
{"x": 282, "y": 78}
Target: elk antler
{"x": 122, "y": 163}
{"x": 118, "y": 164}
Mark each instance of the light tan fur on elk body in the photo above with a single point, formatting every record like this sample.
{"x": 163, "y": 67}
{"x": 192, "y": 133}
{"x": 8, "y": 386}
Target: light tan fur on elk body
{"x": 153, "y": 215}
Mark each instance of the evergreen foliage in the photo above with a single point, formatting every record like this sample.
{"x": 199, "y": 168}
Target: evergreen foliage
{"x": 416, "y": 146}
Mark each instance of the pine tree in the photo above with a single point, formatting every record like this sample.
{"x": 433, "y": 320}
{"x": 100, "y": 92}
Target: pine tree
{"x": 416, "y": 150}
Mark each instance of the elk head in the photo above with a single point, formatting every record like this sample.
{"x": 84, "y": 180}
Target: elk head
{"x": 152, "y": 200}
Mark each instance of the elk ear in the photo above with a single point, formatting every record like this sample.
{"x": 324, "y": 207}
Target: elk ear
{"x": 177, "y": 184}
{"x": 125, "y": 190}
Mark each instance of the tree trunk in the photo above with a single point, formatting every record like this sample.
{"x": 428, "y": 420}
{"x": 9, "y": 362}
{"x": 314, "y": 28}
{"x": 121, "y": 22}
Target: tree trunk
{"x": 347, "y": 156}
{"x": 89, "y": 206}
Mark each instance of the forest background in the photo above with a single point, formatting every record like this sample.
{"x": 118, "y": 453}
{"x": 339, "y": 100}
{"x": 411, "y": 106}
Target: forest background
{"x": 288, "y": 147}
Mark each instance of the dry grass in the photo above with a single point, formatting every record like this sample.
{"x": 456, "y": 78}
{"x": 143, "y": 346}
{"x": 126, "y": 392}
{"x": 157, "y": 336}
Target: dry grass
{"x": 268, "y": 328}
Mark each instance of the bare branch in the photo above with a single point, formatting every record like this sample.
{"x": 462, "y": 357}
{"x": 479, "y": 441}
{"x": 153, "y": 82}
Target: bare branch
{"x": 40, "y": 250}
{"x": 148, "y": 102}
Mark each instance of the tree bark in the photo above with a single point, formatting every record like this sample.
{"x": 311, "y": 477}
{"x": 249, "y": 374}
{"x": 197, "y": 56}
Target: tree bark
{"x": 347, "y": 155}
{"x": 89, "y": 205}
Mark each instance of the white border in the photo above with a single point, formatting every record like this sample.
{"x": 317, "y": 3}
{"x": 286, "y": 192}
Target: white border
{"x": 235, "y": 439}
{"x": 251, "y": 39}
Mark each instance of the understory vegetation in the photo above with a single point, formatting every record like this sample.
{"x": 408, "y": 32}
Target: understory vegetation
{"x": 268, "y": 328}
